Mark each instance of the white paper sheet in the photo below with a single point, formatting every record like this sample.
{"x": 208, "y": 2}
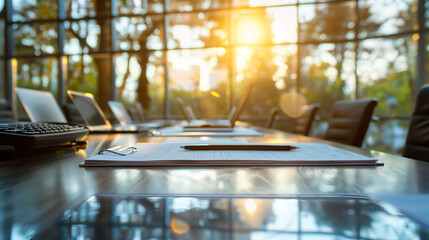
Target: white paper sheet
{"x": 171, "y": 154}
{"x": 177, "y": 131}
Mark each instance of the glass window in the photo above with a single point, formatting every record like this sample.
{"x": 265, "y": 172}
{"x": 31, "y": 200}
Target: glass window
{"x": 137, "y": 33}
{"x": 81, "y": 73}
{"x": 388, "y": 135}
{"x": 35, "y": 39}
{"x": 386, "y": 71}
{"x": 199, "y": 77}
{"x": 192, "y": 30}
{"x": 85, "y": 8}
{"x": 37, "y": 73}
{"x": 259, "y": 26}
{"x": 272, "y": 71}
{"x": 24, "y": 10}
{"x": 427, "y": 13}
{"x": 189, "y": 5}
{"x": 133, "y": 71}
{"x": 332, "y": 21}
{"x": 382, "y": 17}
{"x": 327, "y": 73}
{"x": 85, "y": 37}
{"x": 259, "y": 3}
{"x": 140, "y": 6}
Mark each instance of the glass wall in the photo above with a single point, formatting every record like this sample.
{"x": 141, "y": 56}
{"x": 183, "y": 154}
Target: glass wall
{"x": 208, "y": 52}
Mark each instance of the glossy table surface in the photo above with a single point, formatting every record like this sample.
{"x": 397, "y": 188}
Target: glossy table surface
{"x": 36, "y": 191}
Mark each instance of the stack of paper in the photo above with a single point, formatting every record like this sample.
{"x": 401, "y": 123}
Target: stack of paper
{"x": 173, "y": 154}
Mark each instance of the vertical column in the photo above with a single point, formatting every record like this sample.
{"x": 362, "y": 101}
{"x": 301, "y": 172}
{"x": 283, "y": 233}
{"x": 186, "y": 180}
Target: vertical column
{"x": 166, "y": 87}
{"x": 62, "y": 60}
{"x": 421, "y": 46}
{"x": 114, "y": 13}
{"x": 10, "y": 89}
{"x": 356, "y": 49}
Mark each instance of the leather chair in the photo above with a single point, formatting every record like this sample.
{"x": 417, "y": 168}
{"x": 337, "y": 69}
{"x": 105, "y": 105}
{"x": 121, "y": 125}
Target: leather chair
{"x": 6, "y": 113}
{"x": 272, "y": 117}
{"x": 349, "y": 121}
{"x": 417, "y": 143}
{"x": 304, "y": 123}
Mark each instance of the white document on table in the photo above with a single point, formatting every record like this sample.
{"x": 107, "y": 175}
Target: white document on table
{"x": 177, "y": 131}
{"x": 172, "y": 154}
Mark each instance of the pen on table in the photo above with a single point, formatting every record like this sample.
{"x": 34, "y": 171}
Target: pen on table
{"x": 254, "y": 147}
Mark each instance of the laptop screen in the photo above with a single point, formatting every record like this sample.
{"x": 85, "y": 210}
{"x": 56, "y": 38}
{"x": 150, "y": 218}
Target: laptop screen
{"x": 40, "y": 106}
{"x": 120, "y": 112}
{"x": 88, "y": 108}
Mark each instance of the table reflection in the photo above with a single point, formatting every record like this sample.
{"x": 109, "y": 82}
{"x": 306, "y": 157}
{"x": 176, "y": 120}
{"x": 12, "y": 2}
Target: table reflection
{"x": 107, "y": 216}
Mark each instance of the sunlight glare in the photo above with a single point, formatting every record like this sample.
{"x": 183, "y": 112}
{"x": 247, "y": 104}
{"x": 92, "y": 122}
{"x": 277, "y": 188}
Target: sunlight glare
{"x": 250, "y": 30}
{"x": 250, "y": 206}
{"x": 292, "y": 104}
{"x": 178, "y": 226}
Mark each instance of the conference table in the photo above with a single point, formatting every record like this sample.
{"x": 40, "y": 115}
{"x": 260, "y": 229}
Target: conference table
{"x": 37, "y": 191}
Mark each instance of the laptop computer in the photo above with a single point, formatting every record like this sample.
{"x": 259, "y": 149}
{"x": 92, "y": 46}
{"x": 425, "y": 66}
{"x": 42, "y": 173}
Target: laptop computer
{"x": 121, "y": 114}
{"x": 40, "y": 106}
{"x": 219, "y": 125}
{"x": 94, "y": 116}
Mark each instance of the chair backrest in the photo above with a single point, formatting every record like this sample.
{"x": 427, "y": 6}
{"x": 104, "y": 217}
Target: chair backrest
{"x": 272, "y": 117}
{"x": 349, "y": 121}
{"x": 304, "y": 122}
{"x": 6, "y": 113}
{"x": 417, "y": 143}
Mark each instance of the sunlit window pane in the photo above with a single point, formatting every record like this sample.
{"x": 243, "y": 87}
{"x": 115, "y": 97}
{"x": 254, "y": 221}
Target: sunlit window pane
{"x": 387, "y": 135}
{"x": 427, "y": 13}
{"x": 140, "y": 6}
{"x": 386, "y": 70}
{"x": 37, "y": 73}
{"x": 24, "y": 10}
{"x": 134, "y": 70}
{"x": 258, "y": 3}
{"x": 332, "y": 21}
{"x": 189, "y": 5}
{"x": 272, "y": 72}
{"x": 136, "y": 33}
{"x": 85, "y": 8}
{"x": 86, "y": 36}
{"x": 189, "y": 30}
{"x": 199, "y": 77}
{"x": 315, "y": 1}
{"x": 2, "y": 37}
{"x": 381, "y": 17}
{"x": 35, "y": 39}
{"x": 81, "y": 74}
{"x": 270, "y": 25}
{"x": 2, "y": 80}
{"x": 327, "y": 73}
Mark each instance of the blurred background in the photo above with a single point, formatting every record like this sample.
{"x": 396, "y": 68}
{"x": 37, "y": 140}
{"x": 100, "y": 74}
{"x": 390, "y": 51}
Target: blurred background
{"x": 207, "y": 51}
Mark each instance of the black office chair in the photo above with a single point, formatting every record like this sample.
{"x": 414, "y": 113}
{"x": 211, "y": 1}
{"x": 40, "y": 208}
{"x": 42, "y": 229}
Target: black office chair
{"x": 304, "y": 122}
{"x": 349, "y": 121}
{"x": 6, "y": 113}
{"x": 417, "y": 143}
{"x": 272, "y": 117}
